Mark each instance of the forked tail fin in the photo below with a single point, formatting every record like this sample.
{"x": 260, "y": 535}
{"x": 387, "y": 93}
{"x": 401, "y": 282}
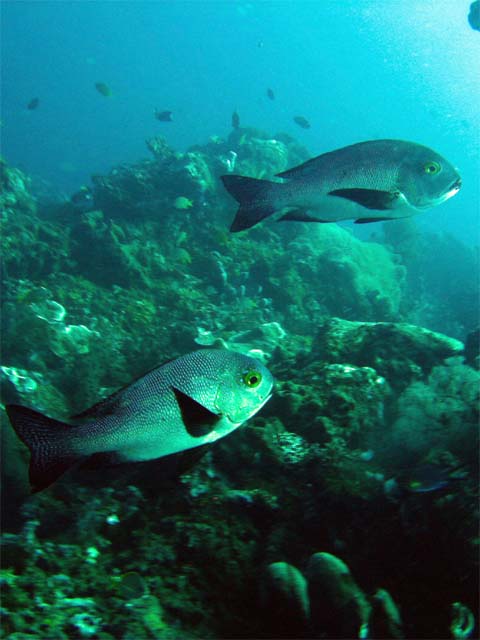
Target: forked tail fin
{"x": 255, "y": 199}
{"x": 48, "y": 441}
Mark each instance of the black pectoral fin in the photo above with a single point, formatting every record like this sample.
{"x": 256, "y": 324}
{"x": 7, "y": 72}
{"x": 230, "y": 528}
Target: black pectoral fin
{"x": 300, "y": 215}
{"x": 369, "y": 198}
{"x": 366, "y": 220}
{"x": 198, "y": 420}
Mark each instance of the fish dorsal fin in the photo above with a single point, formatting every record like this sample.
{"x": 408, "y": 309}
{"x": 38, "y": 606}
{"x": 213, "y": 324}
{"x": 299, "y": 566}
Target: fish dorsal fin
{"x": 300, "y": 170}
{"x": 112, "y": 403}
{"x": 105, "y": 407}
{"x": 370, "y": 198}
{"x": 198, "y": 420}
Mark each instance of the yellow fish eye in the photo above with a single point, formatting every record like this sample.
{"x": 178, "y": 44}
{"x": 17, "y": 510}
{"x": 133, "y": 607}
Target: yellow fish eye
{"x": 252, "y": 378}
{"x": 432, "y": 167}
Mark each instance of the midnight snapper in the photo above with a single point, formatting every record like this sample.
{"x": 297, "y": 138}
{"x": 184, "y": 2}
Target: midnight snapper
{"x": 187, "y": 402}
{"x": 366, "y": 182}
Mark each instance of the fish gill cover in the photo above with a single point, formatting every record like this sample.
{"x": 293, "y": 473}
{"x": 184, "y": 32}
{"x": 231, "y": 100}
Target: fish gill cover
{"x": 351, "y": 493}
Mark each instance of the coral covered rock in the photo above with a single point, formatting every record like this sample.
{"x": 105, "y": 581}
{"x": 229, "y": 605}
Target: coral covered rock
{"x": 398, "y": 351}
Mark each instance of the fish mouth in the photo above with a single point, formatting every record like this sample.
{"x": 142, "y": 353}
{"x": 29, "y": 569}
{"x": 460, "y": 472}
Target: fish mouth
{"x": 263, "y": 403}
{"x": 452, "y": 190}
{"x": 449, "y": 192}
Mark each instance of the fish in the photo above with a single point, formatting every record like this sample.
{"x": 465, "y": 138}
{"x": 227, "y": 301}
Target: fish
{"x": 270, "y": 94}
{"x": 187, "y": 402}
{"x": 302, "y": 122}
{"x": 235, "y": 120}
{"x": 474, "y": 15}
{"x": 82, "y": 200}
{"x": 370, "y": 181}
{"x": 104, "y": 89}
{"x": 33, "y": 104}
{"x": 423, "y": 479}
{"x": 427, "y": 477}
{"x": 182, "y": 203}
{"x": 163, "y": 116}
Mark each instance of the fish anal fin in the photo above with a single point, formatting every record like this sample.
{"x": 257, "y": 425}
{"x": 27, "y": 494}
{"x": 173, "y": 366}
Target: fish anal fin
{"x": 101, "y": 460}
{"x": 300, "y": 215}
{"x": 198, "y": 420}
{"x": 366, "y": 220}
{"x": 370, "y": 198}
{"x": 190, "y": 457}
{"x": 249, "y": 216}
{"x": 48, "y": 442}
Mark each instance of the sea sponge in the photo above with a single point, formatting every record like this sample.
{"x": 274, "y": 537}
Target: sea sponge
{"x": 339, "y": 608}
{"x": 285, "y": 600}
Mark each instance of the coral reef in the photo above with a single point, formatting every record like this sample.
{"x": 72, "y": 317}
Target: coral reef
{"x": 398, "y": 351}
{"x": 365, "y": 387}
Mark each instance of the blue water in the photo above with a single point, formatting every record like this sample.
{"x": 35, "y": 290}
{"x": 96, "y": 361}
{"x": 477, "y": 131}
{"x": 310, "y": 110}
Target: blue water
{"x": 355, "y": 70}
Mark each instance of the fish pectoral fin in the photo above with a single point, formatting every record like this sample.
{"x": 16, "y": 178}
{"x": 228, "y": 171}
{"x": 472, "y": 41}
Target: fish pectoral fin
{"x": 370, "y": 198}
{"x": 300, "y": 215}
{"x": 198, "y": 420}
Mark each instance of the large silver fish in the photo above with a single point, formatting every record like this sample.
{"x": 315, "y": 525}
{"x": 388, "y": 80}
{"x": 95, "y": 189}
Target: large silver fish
{"x": 365, "y": 182}
{"x": 193, "y": 400}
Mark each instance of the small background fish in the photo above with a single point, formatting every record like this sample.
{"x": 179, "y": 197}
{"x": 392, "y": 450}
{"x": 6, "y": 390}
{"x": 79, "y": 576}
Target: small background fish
{"x": 103, "y": 89}
{"x": 33, "y": 104}
{"x": 164, "y": 116}
{"x": 235, "y": 120}
{"x": 302, "y": 122}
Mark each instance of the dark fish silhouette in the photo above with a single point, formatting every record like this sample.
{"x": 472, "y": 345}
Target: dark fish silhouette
{"x": 164, "y": 116}
{"x": 270, "y": 94}
{"x": 235, "y": 120}
{"x": 365, "y": 182}
{"x": 82, "y": 200}
{"x": 474, "y": 15}
{"x": 103, "y": 88}
{"x": 302, "y": 122}
{"x": 33, "y": 104}
{"x": 428, "y": 477}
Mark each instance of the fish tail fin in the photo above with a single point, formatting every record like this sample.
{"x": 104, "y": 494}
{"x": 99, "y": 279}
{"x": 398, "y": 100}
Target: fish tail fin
{"x": 47, "y": 440}
{"x": 254, "y": 197}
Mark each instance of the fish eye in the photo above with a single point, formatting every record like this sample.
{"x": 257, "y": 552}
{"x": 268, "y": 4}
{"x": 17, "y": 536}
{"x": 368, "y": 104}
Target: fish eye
{"x": 252, "y": 378}
{"x": 432, "y": 167}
